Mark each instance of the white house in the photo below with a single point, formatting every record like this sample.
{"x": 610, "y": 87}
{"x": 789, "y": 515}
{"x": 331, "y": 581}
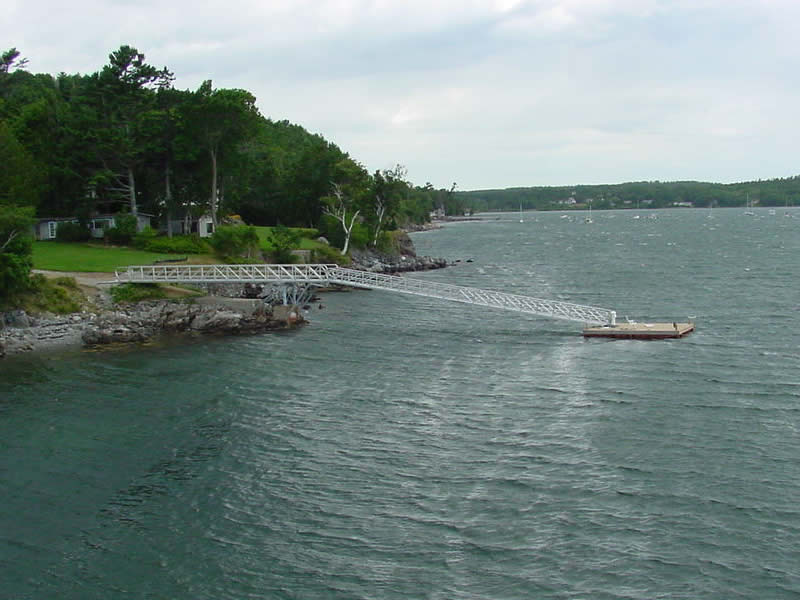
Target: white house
{"x": 45, "y": 228}
{"x": 202, "y": 226}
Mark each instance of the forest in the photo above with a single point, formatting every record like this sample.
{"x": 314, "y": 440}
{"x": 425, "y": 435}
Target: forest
{"x": 124, "y": 139}
{"x": 644, "y": 194}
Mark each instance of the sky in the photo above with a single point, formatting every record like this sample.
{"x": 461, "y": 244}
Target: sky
{"x": 485, "y": 94}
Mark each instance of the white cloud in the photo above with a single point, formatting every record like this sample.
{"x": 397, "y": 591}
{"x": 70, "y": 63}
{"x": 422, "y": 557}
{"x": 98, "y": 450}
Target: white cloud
{"x": 489, "y": 93}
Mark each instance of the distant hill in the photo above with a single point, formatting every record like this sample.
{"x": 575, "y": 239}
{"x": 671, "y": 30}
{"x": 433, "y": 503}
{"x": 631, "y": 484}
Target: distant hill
{"x": 642, "y": 194}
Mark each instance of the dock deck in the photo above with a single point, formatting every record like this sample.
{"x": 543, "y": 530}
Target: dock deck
{"x": 640, "y": 331}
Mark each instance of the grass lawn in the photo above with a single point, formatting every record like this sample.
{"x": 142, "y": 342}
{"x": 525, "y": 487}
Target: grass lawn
{"x": 57, "y": 256}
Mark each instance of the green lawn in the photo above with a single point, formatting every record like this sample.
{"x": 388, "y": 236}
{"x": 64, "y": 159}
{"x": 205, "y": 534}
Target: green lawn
{"x": 57, "y": 256}
{"x": 95, "y": 257}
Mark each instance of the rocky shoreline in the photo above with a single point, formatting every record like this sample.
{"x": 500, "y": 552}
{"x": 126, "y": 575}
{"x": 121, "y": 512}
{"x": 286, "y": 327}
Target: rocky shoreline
{"x": 233, "y": 310}
{"x": 21, "y": 333}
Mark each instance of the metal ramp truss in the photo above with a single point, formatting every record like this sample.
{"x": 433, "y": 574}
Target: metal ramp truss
{"x": 296, "y": 276}
{"x": 293, "y": 294}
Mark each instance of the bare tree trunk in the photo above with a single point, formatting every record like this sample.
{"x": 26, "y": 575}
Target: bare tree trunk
{"x": 213, "y": 152}
{"x": 168, "y": 199}
{"x": 380, "y": 212}
{"x": 339, "y": 212}
{"x": 11, "y": 237}
{"x": 132, "y": 191}
{"x": 348, "y": 231}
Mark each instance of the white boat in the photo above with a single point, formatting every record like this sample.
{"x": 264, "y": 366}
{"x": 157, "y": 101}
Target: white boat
{"x": 749, "y": 209}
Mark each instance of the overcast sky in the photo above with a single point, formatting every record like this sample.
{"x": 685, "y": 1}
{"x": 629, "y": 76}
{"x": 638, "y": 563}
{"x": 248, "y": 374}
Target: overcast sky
{"x": 484, "y": 93}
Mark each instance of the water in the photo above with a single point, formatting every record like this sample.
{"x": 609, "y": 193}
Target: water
{"x": 399, "y": 447}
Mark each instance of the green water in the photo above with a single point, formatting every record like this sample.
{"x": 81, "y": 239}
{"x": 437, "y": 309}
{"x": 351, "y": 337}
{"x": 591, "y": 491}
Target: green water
{"x": 401, "y": 447}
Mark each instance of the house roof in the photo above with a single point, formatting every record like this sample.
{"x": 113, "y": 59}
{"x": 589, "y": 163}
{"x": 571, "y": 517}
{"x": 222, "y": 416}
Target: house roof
{"x": 104, "y": 216}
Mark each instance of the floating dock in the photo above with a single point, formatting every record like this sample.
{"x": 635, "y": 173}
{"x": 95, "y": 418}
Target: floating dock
{"x": 640, "y": 331}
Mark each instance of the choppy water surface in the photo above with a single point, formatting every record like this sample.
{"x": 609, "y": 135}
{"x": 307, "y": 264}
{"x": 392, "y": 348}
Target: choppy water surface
{"x": 401, "y": 447}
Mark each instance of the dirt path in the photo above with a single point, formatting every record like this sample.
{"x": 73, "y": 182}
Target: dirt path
{"x": 83, "y": 279}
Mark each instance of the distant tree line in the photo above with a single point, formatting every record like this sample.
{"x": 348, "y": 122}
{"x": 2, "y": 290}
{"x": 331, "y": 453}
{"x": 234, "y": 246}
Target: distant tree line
{"x": 643, "y": 194}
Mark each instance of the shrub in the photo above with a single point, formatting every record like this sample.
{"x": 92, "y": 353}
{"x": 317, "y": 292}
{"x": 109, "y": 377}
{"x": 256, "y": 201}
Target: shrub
{"x": 136, "y": 292}
{"x": 72, "y": 232}
{"x": 282, "y": 241}
{"x": 307, "y": 232}
{"x": 143, "y": 238}
{"x": 60, "y": 295}
{"x": 233, "y": 242}
{"x": 124, "y": 230}
{"x": 184, "y": 244}
{"x": 180, "y": 244}
{"x": 329, "y": 254}
{"x": 332, "y": 230}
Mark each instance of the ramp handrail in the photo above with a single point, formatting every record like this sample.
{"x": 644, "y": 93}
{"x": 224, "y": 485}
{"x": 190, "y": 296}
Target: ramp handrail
{"x": 321, "y": 274}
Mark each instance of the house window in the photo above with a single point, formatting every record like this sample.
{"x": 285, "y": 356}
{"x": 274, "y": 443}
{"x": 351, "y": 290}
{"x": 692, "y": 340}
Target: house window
{"x": 51, "y": 229}
{"x": 209, "y": 227}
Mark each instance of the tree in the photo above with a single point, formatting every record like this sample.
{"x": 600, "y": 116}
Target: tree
{"x": 15, "y": 248}
{"x": 342, "y": 208}
{"x": 10, "y": 60}
{"x": 350, "y": 188}
{"x": 389, "y": 187}
{"x": 19, "y": 178}
{"x": 221, "y": 119}
{"x": 310, "y": 180}
{"x": 125, "y": 93}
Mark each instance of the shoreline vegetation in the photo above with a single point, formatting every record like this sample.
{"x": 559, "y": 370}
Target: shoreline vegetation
{"x": 137, "y": 314}
{"x": 119, "y": 167}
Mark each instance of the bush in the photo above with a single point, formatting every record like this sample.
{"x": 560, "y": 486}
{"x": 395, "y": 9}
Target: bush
{"x": 60, "y": 295}
{"x": 143, "y": 238}
{"x": 282, "y": 241}
{"x": 72, "y": 232}
{"x": 136, "y": 292}
{"x": 329, "y": 254}
{"x": 234, "y": 242}
{"x": 184, "y": 244}
{"x": 333, "y": 232}
{"x": 307, "y": 232}
{"x": 151, "y": 241}
{"x": 124, "y": 230}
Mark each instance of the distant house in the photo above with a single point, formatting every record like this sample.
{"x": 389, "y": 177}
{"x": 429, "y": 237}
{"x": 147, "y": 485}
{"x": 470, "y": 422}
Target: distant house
{"x": 438, "y": 214}
{"x": 202, "y": 226}
{"x": 46, "y": 228}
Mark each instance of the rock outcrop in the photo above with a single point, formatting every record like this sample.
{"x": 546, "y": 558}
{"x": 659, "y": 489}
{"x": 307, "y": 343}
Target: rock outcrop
{"x": 140, "y": 322}
{"x": 402, "y": 260}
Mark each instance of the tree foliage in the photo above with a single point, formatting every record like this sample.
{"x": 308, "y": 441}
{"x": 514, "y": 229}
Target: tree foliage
{"x": 15, "y": 249}
{"x": 232, "y": 242}
{"x": 124, "y": 139}
{"x": 642, "y": 194}
{"x": 282, "y": 241}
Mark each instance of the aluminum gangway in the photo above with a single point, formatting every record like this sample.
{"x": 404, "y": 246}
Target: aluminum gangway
{"x": 321, "y": 275}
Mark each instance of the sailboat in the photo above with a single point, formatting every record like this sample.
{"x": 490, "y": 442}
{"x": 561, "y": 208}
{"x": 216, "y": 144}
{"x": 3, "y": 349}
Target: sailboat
{"x": 520, "y": 213}
{"x": 749, "y": 211}
{"x": 588, "y": 219}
